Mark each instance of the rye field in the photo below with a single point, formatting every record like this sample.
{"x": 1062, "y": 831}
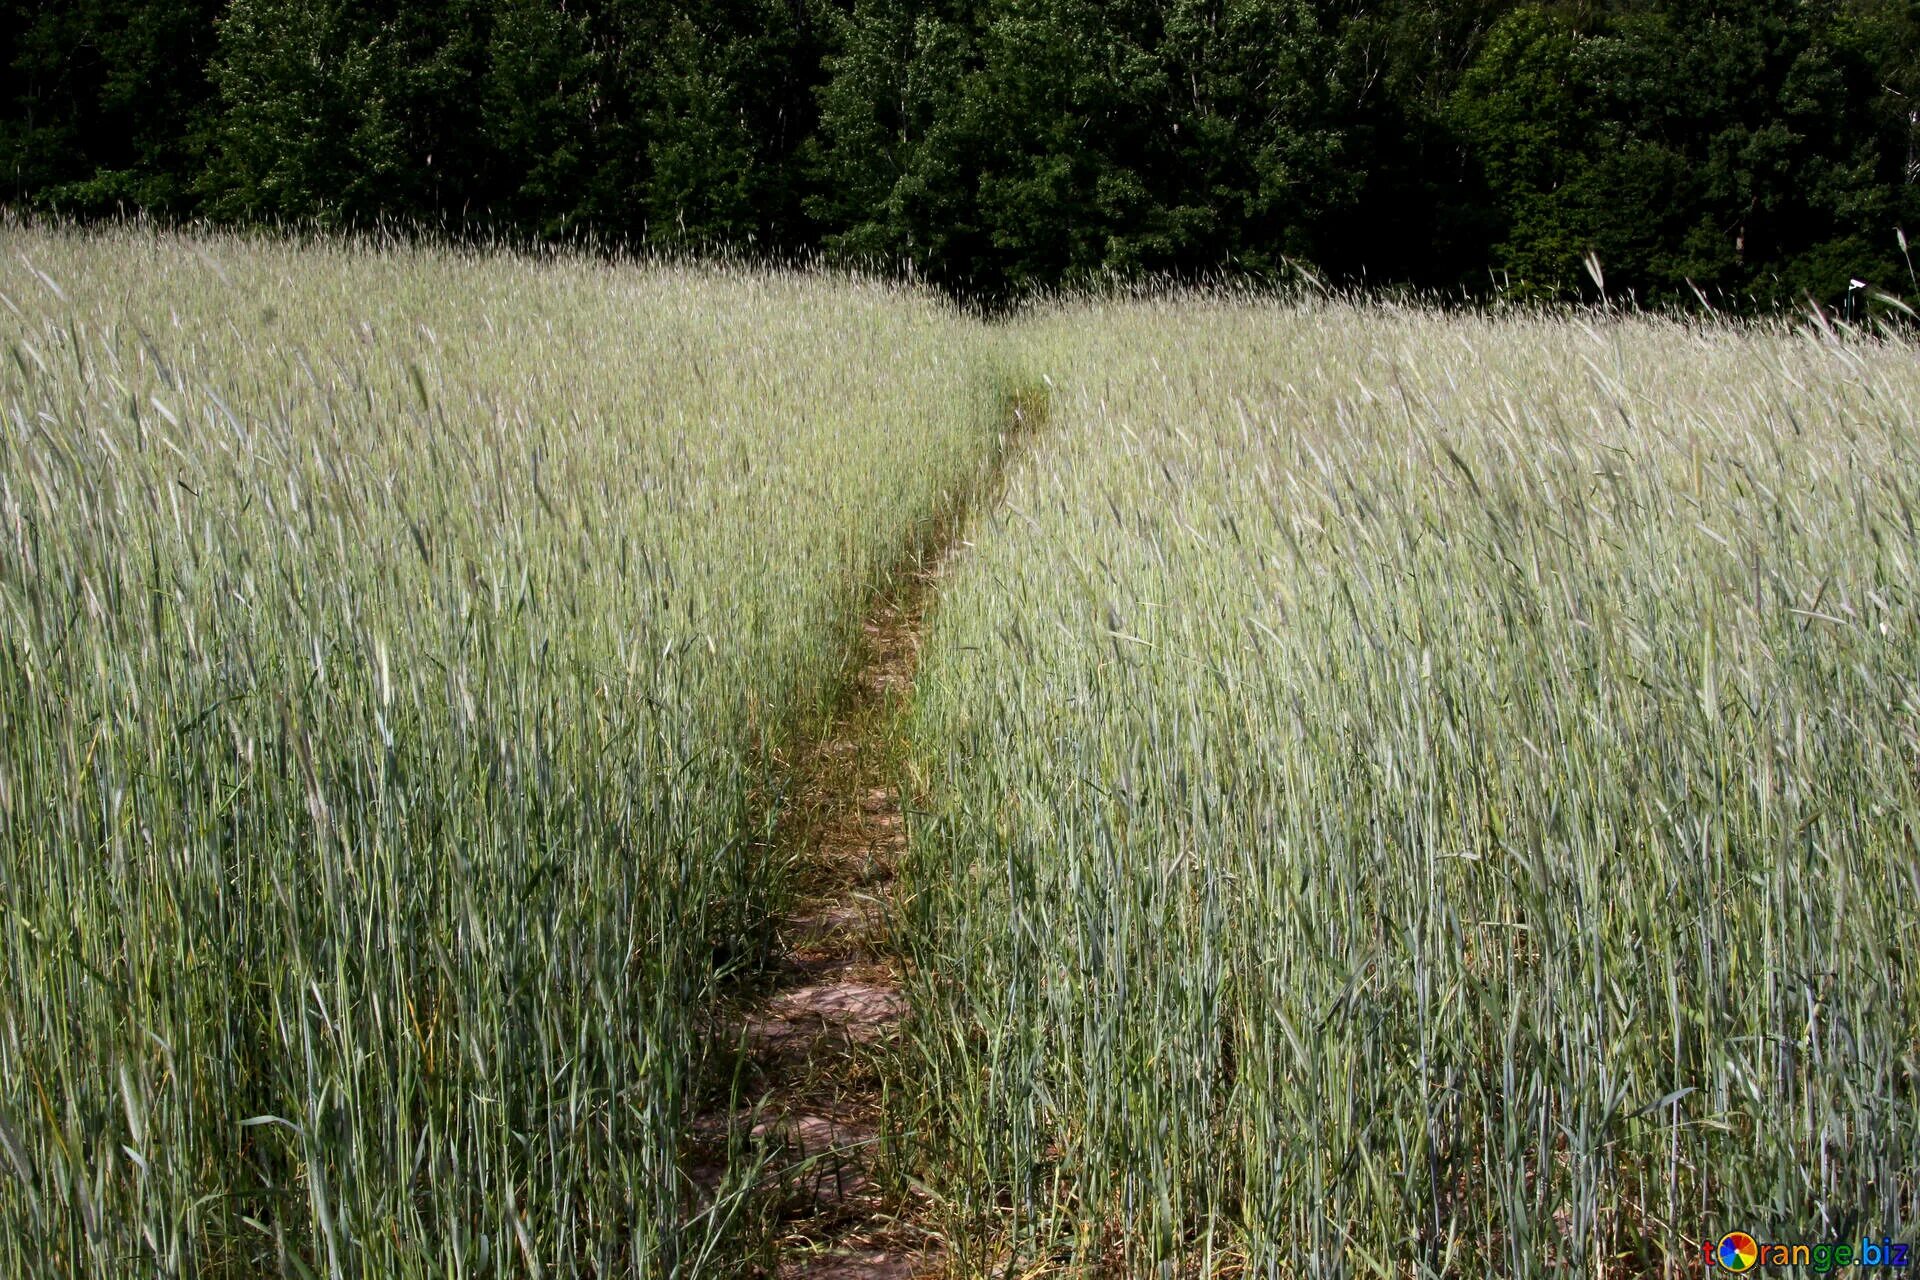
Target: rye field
{"x": 1379, "y": 792}
{"x": 390, "y": 644}
{"x": 1428, "y": 796}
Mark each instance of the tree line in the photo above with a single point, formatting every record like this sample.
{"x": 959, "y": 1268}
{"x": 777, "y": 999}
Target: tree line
{"x": 1747, "y": 152}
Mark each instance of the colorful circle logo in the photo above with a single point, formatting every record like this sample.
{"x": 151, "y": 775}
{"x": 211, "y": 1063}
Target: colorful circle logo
{"x": 1737, "y": 1251}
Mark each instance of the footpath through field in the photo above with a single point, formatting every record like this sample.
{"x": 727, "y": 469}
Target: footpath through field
{"x": 818, "y": 1037}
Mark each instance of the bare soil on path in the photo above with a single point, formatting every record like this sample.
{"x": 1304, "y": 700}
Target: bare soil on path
{"x": 818, "y": 1033}
{"x": 823, "y": 1034}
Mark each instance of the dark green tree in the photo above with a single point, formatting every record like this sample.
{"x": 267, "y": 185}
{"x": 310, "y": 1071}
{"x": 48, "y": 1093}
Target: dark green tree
{"x": 1736, "y": 149}
{"x": 1523, "y": 120}
{"x": 729, "y": 103}
{"x": 309, "y": 126}
{"x": 543, "y": 155}
{"x": 1755, "y": 150}
{"x": 105, "y": 102}
{"x": 1422, "y": 213}
{"x": 1003, "y": 147}
{"x": 895, "y": 155}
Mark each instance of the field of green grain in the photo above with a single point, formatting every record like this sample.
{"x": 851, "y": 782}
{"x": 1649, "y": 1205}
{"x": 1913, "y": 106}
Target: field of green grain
{"x": 1391, "y": 793}
{"x": 389, "y": 640}
{"x": 1421, "y": 795}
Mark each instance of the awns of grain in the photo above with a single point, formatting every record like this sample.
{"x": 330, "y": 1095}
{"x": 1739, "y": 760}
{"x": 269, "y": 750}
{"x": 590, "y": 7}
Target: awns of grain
{"x": 388, "y": 644}
{"x": 1396, "y": 794}
{"x": 1408, "y": 794}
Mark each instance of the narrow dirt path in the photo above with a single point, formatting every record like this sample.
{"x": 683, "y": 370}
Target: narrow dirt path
{"x": 823, "y": 1034}
{"x": 818, "y": 1036}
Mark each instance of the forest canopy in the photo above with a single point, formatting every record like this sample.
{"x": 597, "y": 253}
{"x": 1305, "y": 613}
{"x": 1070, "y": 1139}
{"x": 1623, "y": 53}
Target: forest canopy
{"x": 1751, "y": 152}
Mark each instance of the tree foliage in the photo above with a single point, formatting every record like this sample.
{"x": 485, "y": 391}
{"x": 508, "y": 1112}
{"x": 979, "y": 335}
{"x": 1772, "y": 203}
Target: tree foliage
{"x": 1754, "y": 151}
